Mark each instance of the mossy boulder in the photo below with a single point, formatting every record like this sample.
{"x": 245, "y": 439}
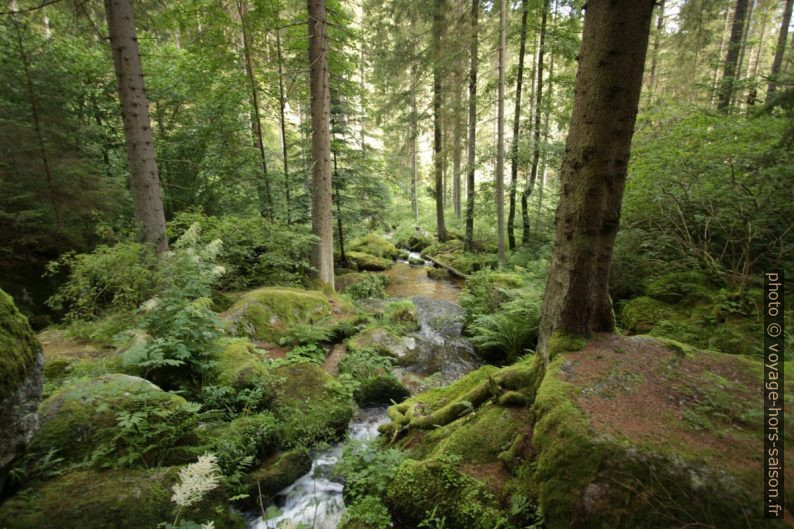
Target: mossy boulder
{"x": 110, "y": 500}
{"x": 640, "y": 314}
{"x": 268, "y": 313}
{"x": 240, "y": 364}
{"x": 402, "y": 315}
{"x": 384, "y": 341}
{"x": 278, "y": 472}
{"x": 379, "y": 390}
{"x": 310, "y": 405}
{"x": 674, "y": 287}
{"x": 257, "y": 436}
{"x": 631, "y": 432}
{"x": 21, "y": 363}
{"x": 438, "y": 273}
{"x": 376, "y": 245}
{"x": 368, "y": 262}
{"x": 83, "y": 415}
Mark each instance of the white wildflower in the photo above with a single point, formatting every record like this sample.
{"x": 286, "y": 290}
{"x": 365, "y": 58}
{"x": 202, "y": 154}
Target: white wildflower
{"x": 214, "y": 248}
{"x": 139, "y": 336}
{"x": 196, "y": 480}
{"x": 208, "y": 525}
{"x": 150, "y": 304}
{"x": 190, "y": 238}
{"x": 218, "y": 270}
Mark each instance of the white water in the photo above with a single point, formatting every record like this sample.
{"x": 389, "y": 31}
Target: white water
{"x": 316, "y": 499}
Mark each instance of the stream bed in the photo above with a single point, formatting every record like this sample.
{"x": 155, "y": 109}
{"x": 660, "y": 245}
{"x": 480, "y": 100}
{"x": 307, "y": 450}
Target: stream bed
{"x": 439, "y": 349}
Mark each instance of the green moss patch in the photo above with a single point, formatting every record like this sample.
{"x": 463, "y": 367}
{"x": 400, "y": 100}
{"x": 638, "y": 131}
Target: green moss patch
{"x": 368, "y": 262}
{"x": 18, "y": 346}
{"x": 376, "y": 245}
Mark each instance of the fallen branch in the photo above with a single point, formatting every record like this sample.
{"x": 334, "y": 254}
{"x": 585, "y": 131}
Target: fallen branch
{"x": 446, "y": 267}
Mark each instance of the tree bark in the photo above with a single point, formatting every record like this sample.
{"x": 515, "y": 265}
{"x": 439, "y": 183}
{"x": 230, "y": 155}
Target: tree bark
{"x": 438, "y": 160}
{"x": 500, "y": 136}
{"x": 282, "y": 100}
{"x": 322, "y": 223}
{"x": 414, "y": 122}
{"x": 774, "y": 74}
{"x": 607, "y": 91}
{"x": 457, "y": 147}
{"x": 546, "y": 116}
{"x": 339, "y": 228}
{"x": 533, "y": 173}
{"x": 511, "y": 217}
{"x": 257, "y": 128}
{"x": 732, "y": 57}
{"x": 470, "y": 144}
{"x": 144, "y": 178}
{"x": 714, "y": 83}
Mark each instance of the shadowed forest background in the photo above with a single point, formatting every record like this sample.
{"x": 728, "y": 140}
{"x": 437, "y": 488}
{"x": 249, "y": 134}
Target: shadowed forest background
{"x": 376, "y": 264}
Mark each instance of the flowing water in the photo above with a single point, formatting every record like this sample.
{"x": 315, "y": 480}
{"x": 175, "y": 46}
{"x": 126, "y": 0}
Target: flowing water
{"x": 438, "y": 348}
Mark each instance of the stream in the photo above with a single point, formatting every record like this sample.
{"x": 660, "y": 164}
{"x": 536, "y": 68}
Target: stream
{"x": 437, "y": 348}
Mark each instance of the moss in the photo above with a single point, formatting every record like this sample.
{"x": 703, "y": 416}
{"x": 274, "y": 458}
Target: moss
{"x": 420, "y": 488}
{"x": 256, "y": 436}
{"x": 268, "y": 313}
{"x": 83, "y": 414}
{"x": 376, "y": 245}
{"x": 402, "y": 314}
{"x": 640, "y": 314}
{"x": 241, "y": 364}
{"x": 382, "y": 340}
{"x": 18, "y": 346}
{"x": 278, "y": 473}
{"x": 674, "y": 287}
{"x": 379, "y": 390}
{"x": 437, "y": 273}
{"x": 482, "y": 436}
{"x": 109, "y": 500}
{"x": 368, "y": 262}
{"x": 563, "y": 342}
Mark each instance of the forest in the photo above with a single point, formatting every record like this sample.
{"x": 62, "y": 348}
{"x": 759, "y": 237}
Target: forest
{"x": 371, "y": 264}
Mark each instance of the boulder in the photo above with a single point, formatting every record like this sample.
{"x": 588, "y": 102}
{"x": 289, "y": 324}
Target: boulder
{"x": 384, "y": 341}
{"x": 368, "y": 262}
{"x": 21, "y": 362}
{"x": 111, "y": 500}
{"x": 268, "y": 313}
{"x": 380, "y": 390}
{"x": 376, "y": 245}
{"x": 278, "y": 473}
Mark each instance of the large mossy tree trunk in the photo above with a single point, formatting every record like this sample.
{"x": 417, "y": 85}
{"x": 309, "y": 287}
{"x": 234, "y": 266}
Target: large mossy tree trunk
{"x": 732, "y": 57}
{"x": 607, "y": 91}
{"x": 472, "y": 140}
{"x": 779, "y": 51}
{"x": 147, "y": 204}
{"x": 322, "y": 223}
{"x": 438, "y": 159}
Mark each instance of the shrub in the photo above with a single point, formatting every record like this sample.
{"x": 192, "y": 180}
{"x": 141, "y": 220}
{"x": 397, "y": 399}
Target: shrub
{"x": 368, "y": 470}
{"x": 368, "y": 511}
{"x": 368, "y": 285}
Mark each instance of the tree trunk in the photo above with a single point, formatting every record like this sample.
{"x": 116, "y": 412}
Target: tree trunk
{"x": 732, "y": 57}
{"x": 723, "y": 35}
{"x": 257, "y": 128}
{"x": 533, "y": 173}
{"x": 144, "y": 180}
{"x": 607, "y": 91}
{"x": 34, "y": 113}
{"x": 511, "y": 217}
{"x": 657, "y": 37}
{"x": 282, "y": 100}
{"x": 779, "y": 51}
{"x": 338, "y": 201}
{"x": 457, "y": 147}
{"x": 499, "y": 191}
{"x": 470, "y": 144}
{"x": 748, "y": 28}
{"x": 546, "y": 116}
{"x": 322, "y": 223}
{"x": 414, "y": 122}
{"x": 438, "y": 160}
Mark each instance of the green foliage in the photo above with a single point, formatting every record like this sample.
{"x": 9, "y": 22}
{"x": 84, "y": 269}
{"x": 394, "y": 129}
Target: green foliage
{"x": 367, "y": 285}
{"x": 368, "y": 511}
{"x": 111, "y": 278}
{"x": 368, "y": 469}
{"x": 364, "y": 363}
{"x": 19, "y": 349}
{"x": 176, "y": 342}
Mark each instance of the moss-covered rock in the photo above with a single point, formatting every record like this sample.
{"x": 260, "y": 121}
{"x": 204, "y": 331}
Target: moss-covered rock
{"x": 376, "y": 245}
{"x": 110, "y": 500}
{"x": 379, "y": 390}
{"x": 278, "y": 472}
{"x": 240, "y": 364}
{"x": 438, "y": 273}
{"x": 368, "y": 262}
{"x": 310, "y": 405}
{"x": 384, "y": 341}
{"x": 615, "y": 450}
{"x": 402, "y": 315}
{"x": 268, "y": 313}
{"x": 257, "y": 436}
{"x": 83, "y": 415}
{"x": 690, "y": 286}
{"x": 20, "y": 391}
{"x": 640, "y": 314}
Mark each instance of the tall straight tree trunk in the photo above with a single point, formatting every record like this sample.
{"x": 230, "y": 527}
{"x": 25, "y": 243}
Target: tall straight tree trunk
{"x": 282, "y": 104}
{"x": 457, "y": 147}
{"x": 774, "y": 74}
{"x": 414, "y": 122}
{"x": 242, "y": 9}
{"x": 657, "y": 37}
{"x": 144, "y": 179}
{"x": 34, "y": 113}
{"x": 533, "y": 173}
{"x": 438, "y": 160}
{"x": 339, "y": 230}
{"x": 732, "y": 57}
{"x": 500, "y": 136}
{"x": 607, "y": 92}
{"x": 470, "y": 144}
{"x": 748, "y": 28}
{"x": 546, "y": 116}
{"x": 511, "y": 216}
{"x": 716, "y": 77}
{"x": 322, "y": 223}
